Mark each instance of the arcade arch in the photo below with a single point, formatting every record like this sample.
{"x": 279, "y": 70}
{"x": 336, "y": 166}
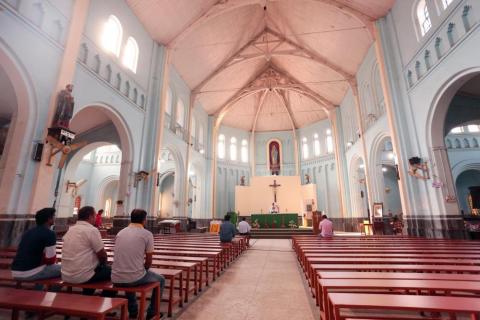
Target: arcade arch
{"x": 17, "y": 114}
{"x": 108, "y": 154}
{"x": 170, "y": 201}
{"x": 456, "y": 104}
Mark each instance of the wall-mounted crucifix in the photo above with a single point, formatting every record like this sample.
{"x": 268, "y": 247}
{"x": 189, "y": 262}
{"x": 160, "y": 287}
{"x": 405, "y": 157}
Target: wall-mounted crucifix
{"x": 275, "y": 186}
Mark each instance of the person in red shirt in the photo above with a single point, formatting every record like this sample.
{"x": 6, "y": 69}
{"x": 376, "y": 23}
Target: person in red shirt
{"x": 98, "y": 219}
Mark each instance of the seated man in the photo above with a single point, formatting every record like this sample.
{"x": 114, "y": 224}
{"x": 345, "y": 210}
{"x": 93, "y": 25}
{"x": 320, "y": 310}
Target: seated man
{"x": 36, "y": 253}
{"x": 84, "y": 259}
{"x": 133, "y": 257}
{"x": 325, "y": 227}
{"x": 244, "y": 230}
{"x": 227, "y": 230}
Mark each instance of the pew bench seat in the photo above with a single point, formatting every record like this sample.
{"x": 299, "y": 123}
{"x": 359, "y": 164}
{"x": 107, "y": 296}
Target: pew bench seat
{"x": 93, "y": 307}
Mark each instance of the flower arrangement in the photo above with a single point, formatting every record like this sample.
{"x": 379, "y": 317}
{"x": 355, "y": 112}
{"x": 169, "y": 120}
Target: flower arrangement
{"x": 292, "y": 224}
{"x": 255, "y": 224}
{"x": 472, "y": 227}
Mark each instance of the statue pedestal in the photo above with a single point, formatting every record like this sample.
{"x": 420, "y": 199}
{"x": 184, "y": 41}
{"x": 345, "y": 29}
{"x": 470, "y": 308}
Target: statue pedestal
{"x": 63, "y": 135}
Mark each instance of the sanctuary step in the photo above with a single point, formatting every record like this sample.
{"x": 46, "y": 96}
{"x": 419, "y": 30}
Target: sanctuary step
{"x": 278, "y": 233}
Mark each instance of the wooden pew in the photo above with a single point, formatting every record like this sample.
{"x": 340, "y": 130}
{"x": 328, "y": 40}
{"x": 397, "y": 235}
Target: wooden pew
{"x": 60, "y": 303}
{"x": 449, "y": 287}
{"x": 394, "y": 302}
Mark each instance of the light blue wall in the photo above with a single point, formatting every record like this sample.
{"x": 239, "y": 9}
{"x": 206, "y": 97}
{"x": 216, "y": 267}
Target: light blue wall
{"x": 229, "y": 172}
{"x": 33, "y": 34}
{"x": 417, "y": 84}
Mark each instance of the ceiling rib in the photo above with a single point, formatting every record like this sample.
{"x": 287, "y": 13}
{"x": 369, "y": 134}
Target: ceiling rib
{"x": 268, "y": 53}
{"x": 259, "y": 108}
{"x": 283, "y": 99}
{"x": 272, "y": 79}
{"x": 223, "y": 6}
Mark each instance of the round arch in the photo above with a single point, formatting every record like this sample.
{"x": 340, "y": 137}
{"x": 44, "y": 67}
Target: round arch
{"x": 358, "y": 206}
{"x": 375, "y": 170}
{"x": 65, "y": 200}
{"x": 126, "y": 145}
{"x": 436, "y": 137}
{"x": 101, "y": 196}
{"x": 179, "y": 170}
{"x": 20, "y": 134}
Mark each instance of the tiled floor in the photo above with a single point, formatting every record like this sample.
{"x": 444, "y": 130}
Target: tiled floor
{"x": 265, "y": 283}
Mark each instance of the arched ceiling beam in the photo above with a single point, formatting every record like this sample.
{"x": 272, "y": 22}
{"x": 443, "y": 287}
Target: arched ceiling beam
{"x": 259, "y": 109}
{"x": 305, "y": 90}
{"x": 223, "y": 6}
{"x": 367, "y": 20}
{"x": 252, "y": 87}
{"x": 295, "y": 50}
{"x": 219, "y": 8}
{"x": 286, "y": 104}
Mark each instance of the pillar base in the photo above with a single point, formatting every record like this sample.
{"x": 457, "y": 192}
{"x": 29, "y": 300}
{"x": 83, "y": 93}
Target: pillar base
{"x": 120, "y": 222}
{"x": 350, "y": 224}
{"x": 438, "y": 227}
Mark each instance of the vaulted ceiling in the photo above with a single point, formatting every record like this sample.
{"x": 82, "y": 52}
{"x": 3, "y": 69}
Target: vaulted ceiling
{"x": 265, "y": 65}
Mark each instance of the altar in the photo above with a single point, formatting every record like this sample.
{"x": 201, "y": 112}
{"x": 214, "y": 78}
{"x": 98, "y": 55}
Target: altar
{"x": 286, "y": 191}
{"x": 280, "y": 220}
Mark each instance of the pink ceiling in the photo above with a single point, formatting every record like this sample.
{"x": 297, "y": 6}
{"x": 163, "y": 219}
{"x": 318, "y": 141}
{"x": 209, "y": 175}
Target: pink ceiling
{"x": 336, "y": 33}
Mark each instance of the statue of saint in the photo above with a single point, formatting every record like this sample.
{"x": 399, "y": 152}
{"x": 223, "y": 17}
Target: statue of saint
{"x": 242, "y": 180}
{"x": 64, "y": 111}
{"x": 274, "y": 155}
{"x": 307, "y": 178}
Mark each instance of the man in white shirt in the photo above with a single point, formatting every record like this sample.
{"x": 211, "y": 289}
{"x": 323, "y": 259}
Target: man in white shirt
{"x": 84, "y": 259}
{"x": 274, "y": 208}
{"x": 244, "y": 230}
{"x": 326, "y": 227}
{"x": 133, "y": 257}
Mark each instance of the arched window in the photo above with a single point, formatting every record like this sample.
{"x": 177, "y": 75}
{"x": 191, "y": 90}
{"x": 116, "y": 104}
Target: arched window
{"x": 221, "y": 146}
{"x": 446, "y": 3}
{"x": 112, "y": 35}
{"x": 305, "y": 151}
{"x": 180, "y": 113}
{"x": 244, "y": 151}
{"x": 473, "y": 128}
{"x": 329, "y": 141}
{"x": 130, "y": 54}
{"x": 233, "y": 149}
{"x": 316, "y": 145}
{"x": 423, "y": 17}
{"x": 169, "y": 106}
{"x": 457, "y": 130}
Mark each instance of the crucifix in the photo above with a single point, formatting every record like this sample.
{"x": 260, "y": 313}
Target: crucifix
{"x": 274, "y": 186}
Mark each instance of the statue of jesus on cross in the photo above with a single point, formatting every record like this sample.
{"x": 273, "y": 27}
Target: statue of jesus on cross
{"x": 274, "y": 208}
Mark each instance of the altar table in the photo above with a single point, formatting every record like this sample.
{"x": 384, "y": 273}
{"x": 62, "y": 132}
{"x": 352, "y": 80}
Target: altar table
{"x": 277, "y": 220}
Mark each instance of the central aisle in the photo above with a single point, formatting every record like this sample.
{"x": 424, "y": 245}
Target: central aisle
{"x": 265, "y": 283}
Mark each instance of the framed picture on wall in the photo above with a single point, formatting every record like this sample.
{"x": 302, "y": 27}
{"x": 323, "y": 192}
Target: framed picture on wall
{"x": 378, "y": 209}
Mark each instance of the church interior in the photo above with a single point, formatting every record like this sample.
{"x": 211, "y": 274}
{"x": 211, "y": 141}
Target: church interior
{"x": 296, "y": 117}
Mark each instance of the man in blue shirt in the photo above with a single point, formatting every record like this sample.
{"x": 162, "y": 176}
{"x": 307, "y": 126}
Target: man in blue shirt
{"x": 36, "y": 253}
{"x": 227, "y": 230}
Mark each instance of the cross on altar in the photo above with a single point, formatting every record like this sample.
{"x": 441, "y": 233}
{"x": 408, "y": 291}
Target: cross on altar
{"x": 274, "y": 186}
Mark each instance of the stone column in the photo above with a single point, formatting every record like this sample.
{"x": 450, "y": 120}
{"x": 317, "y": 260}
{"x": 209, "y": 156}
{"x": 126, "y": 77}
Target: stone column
{"x": 358, "y": 108}
{"x": 339, "y": 167}
{"x": 389, "y": 108}
{"x": 160, "y": 128}
{"x": 189, "y": 147}
{"x": 44, "y": 177}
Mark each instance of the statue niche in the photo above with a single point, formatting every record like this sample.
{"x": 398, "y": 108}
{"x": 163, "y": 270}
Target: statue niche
{"x": 274, "y": 158}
